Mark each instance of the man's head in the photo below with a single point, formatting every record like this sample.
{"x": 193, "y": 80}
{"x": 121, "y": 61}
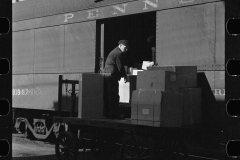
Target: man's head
{"x": 123, "y": 45}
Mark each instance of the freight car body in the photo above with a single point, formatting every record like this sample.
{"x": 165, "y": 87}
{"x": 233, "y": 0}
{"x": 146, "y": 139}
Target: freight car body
{"x": 69, "y": 37}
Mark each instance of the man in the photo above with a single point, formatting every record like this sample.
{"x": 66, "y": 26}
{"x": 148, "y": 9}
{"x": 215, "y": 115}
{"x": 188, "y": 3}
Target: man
{"x": 113, "y": 71}
{"x": 152, "y": 43}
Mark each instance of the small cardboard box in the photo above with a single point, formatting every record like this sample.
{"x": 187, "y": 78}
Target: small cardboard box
{"x": 157, "y": 80}
{"x": 187, "y": 75}
{"x": 90, "y": 95}
{"x": 191, "y": 105}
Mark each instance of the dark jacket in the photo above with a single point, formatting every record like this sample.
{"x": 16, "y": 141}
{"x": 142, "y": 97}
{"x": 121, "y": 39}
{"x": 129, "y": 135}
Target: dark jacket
{"x": 114, "y": 64}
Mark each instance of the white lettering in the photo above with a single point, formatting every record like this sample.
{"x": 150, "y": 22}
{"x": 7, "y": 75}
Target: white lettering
{"x": 23, "y": 92}
{"x": 155, "y": 5}
{"x": 36, "y": 91}
{"x": 219, "y": 92}
{"x": 120, "y": 9}
{"x": 18, "y": 92}
{"x": 68, "y": 16}
{"x": 29, "y": 91}
{"x": 93, "y": 13}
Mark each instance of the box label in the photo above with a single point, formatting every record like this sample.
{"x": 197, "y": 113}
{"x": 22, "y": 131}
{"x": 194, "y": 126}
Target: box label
{"x": 145, "y": 111}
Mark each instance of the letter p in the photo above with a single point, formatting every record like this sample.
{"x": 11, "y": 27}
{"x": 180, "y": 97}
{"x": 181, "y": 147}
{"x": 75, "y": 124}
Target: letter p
{"x": 68, "y": 16}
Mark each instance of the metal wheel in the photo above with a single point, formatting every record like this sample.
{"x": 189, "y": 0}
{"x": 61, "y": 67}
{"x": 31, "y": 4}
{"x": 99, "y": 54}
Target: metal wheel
{"x": 134, "y": 148}
{"x": 66, "y": 147}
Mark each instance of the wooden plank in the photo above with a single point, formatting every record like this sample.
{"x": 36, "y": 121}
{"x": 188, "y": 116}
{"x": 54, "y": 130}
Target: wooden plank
{"x": 126, "y": 125}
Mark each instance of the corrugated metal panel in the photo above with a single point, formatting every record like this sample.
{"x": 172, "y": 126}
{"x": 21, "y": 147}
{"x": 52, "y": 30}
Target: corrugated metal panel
{"x": 23, "y": 10}
{"x": 47, "y": 49}
{"x": 186, "y": 36}
{"x": 46, "y": 92}
{"x": 216, "y": 80}
{"x": 40, "y": 8}
{"x": 80, "y": 46}
{"x": 113, "y": 10}
{"x": 23, "y": 51}
{"x": 22, "y": 86}
{"x": 47, "y": 87}
{"x": 220, "y": 33}
{"x": 47, "y": 7}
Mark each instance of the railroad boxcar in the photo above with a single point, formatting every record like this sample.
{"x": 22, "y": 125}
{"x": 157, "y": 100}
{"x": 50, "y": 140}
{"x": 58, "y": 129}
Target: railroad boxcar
{"x": 69, "y": 37}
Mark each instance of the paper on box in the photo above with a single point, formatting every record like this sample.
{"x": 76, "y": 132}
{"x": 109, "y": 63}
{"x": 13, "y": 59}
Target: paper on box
{"x": 135, "y": 71}
{"x": 146, "y": 64}
{"x": 124, "y": 91}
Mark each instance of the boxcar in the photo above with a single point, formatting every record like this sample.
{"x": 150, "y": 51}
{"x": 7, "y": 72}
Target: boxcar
{"x": 68, "y": 37}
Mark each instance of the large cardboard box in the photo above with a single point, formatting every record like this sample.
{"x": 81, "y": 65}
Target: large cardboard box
{"x": 191, "y": 105}
{"x": 162, "y": 109}
{"x": 146, "y": 100}
{"x": 171, "y": 110}
{"x": 186, "y": 75}
{"x": 134, "y": 104}
{"x": 157, "y": 80}
{"x": 90, "y": 95}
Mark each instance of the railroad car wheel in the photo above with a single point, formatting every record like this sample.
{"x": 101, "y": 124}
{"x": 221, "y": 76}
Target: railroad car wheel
{"x": 66, "y": 146}
{"x": 134, "y": 148}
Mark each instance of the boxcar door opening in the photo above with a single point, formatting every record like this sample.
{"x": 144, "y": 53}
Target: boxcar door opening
{"x": 135, "y": 28}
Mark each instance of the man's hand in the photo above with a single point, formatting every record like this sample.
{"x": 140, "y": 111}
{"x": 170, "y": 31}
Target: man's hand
{"x": 125, "y": 79}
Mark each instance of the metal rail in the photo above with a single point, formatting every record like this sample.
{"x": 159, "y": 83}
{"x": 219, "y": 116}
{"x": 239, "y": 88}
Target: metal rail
{"x": 73, "y": 83}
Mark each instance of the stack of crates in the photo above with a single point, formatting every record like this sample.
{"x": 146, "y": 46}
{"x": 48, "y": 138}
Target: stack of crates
{"x": 167, "y": 97}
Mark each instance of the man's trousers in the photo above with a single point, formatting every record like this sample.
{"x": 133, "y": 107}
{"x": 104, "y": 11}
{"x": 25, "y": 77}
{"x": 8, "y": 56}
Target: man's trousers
{"x": 111, "y": 97}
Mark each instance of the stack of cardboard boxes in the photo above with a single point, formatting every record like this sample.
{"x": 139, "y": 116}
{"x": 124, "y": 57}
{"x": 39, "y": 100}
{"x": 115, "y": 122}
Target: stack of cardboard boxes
{"x": 167, "y": 97}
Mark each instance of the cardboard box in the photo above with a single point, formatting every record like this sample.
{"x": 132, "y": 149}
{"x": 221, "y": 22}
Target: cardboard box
{"x": 171, "y": 110}
{"x": 161, "y": 109}
{"x": 145, "y": 105}
{"x": 134, "y": 104}
{"x": 191, "y": 105}
{"x": 187, "y": 75}
{"x": 90, "y": 95}
{"x": 157, "y": 80}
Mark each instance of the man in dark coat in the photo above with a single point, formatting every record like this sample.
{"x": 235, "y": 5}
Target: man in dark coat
{"x": 113, "y": 71}
{"x": 152, "y": 44}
